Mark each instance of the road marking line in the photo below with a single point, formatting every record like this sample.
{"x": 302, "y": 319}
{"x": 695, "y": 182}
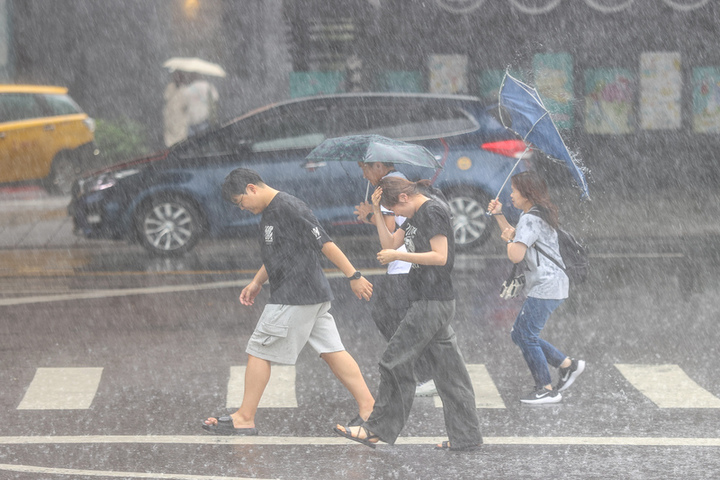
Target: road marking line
{"x": 102, "y": 473}
{"x": 61, "y": 389}
{"x": 125, "y": 292}
{"x": 330, "y": 441}
{"x": 668, "y": 386}
{"x": 121, "y": 292}
{"x": 279, "y": 393}
{"x": 486, "y": 393}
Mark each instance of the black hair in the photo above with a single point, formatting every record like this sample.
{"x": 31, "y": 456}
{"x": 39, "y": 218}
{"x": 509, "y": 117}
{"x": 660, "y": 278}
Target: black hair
{"x": 237, "y": 181}
{"x": 533, "y": 187}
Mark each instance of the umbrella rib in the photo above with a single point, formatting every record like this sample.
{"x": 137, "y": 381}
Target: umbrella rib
{"x": 533, "y": 126}
{"x": 527, "y": 147}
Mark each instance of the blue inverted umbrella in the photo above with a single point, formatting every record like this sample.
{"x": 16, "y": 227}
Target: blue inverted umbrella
{"x": 531, "y": 121}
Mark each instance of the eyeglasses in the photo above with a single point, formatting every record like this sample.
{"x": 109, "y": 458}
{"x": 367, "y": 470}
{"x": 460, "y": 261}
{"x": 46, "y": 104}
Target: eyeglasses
{"x": 238, "y": 200}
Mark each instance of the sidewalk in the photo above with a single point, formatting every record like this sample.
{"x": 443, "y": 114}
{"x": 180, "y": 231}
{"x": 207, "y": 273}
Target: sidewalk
{"x": 33, "y": 219}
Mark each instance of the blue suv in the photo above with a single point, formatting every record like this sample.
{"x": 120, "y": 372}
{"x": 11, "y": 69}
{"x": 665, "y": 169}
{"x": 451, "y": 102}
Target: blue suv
{"x": 170, "y": 200}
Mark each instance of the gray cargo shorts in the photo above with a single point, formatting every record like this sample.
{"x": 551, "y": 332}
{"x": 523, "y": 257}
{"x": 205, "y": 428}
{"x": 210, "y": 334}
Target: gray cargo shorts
{"x": 283, "y": 330}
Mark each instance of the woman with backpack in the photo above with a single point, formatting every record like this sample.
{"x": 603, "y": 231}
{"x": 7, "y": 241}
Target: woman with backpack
{"x": 546, "y": 284}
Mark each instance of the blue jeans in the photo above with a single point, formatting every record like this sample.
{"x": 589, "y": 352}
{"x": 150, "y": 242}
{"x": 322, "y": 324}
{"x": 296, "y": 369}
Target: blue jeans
{"x": 526, "y": 334}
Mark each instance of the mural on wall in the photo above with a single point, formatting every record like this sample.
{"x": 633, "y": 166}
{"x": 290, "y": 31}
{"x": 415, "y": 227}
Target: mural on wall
{"x": 303, "y": 84}
{"x": 608, "y": 101}
{"x": 400, "y": 81}
{"x": 448, "y": 73}
{"x": 489, "y": 82}
{"x": 706, "y": 100}
{"x": 660, "y": 91}
{"x": 554, "y": 82}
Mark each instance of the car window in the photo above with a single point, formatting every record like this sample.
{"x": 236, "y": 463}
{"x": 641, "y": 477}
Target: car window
{"x": 289, "y": 128}
{"x": 61, "y": 105}
{"x": 409, "y": 122}
{"x": 19, "y": 106}
{"x": 223, "y": 141}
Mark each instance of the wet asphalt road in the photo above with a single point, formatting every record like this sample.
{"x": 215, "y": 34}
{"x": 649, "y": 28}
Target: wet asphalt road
{"x": 167, "y": 332}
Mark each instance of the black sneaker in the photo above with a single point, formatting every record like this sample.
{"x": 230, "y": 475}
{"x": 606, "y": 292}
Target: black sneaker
{"x": 569, "y": 375}
{"x": 542, "y": 395}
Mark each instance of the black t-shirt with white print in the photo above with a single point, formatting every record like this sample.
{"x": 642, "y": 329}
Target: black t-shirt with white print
{"x": 430, "y": 282}
{"x": 291, "y": 240}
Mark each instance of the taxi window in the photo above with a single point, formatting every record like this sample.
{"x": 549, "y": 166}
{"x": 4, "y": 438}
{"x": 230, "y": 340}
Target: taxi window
{"x": 61, "y": 105}
{"x": 405, "y": 122}
{"x": 19, "y": 106}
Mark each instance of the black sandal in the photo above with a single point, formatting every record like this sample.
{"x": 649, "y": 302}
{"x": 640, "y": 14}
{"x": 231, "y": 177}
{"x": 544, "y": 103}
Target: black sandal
{"x": 365, "y": 441}
{"x": 356, "y": 422}
{"x": 225, "y": 426}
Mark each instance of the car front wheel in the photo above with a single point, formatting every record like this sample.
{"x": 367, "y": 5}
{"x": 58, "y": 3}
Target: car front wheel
{"x": 470, "y": 224}
{"x": 168, "y": 226}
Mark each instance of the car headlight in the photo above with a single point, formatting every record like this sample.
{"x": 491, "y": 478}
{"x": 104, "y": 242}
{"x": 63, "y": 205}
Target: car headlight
{"x": 104, "y": 180}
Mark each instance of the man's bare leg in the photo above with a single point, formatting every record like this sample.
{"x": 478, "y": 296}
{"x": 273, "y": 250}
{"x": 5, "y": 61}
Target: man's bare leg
{"x": 257, "y": 376}
{"x": 346, "y": 369}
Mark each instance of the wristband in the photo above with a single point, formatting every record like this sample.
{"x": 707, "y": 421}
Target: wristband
{"x": 369, "y": 216}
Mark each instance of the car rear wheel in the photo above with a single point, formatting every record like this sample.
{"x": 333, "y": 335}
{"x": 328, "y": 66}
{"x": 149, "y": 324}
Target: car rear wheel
{"x": 62, "y": 174}
{"x": 168, "y": 226}
{"x": 470, "y": 224}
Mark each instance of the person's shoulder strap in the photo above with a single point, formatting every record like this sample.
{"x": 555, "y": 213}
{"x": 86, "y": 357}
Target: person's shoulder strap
{"x": 534, "y": 210}
{"x": 542, "y": 252}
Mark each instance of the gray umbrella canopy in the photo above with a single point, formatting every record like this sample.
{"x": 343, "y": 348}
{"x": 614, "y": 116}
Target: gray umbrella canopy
{"x": 370, "y": 149}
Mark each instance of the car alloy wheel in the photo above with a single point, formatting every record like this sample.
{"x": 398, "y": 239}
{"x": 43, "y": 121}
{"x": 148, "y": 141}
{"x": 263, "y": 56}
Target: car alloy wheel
{"x": 470, "y": 224}
{"x": 169, "y": 226}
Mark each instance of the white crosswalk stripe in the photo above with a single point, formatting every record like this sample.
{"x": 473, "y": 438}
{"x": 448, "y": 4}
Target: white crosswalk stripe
{"x": 486, "y": 393}
{"x": 667, "y": 386}
{"x": 61, "y": 389}
{"x": 279, "y": 393}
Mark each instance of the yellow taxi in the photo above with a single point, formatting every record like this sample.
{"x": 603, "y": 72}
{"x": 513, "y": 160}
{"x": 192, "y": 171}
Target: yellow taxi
{"x": 44, "y": 135}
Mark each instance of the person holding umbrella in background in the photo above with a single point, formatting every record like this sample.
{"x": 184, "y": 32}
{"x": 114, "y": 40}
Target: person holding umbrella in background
{"x": 191, "y": 101}
{"x": 546, "y": 283}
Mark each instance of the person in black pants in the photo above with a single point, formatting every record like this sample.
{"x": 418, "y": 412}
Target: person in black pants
{"x": 391, "y": 291}
{"x": 425, "y": 329}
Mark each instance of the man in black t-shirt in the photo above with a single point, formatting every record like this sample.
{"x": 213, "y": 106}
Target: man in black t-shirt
{"x": 291, "y": 242}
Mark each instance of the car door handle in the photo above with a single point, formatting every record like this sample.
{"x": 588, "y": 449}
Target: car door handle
{"x": 49, "y": 128}
{"x": 2, "y": 134}
{"x": 313, "y": 165}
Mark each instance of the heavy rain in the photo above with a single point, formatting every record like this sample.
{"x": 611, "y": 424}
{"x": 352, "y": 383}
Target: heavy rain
{"x": 129, "y": 288}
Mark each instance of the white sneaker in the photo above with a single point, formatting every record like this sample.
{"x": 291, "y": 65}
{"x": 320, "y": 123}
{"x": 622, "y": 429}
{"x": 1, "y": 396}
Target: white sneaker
{"x": 542, "y": 395}
{"x": 426, "y": 389}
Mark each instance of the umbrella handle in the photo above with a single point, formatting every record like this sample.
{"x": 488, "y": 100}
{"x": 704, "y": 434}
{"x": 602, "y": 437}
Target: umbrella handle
{"x": 527, "y": 148}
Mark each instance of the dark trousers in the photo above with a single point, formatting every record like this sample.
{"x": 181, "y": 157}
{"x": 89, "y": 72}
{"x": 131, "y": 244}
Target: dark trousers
{"x": 389, "y": 308}
{"x": 425, "y": 330}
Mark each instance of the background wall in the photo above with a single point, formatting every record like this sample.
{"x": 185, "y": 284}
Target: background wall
{"x": 110, "y": 54}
